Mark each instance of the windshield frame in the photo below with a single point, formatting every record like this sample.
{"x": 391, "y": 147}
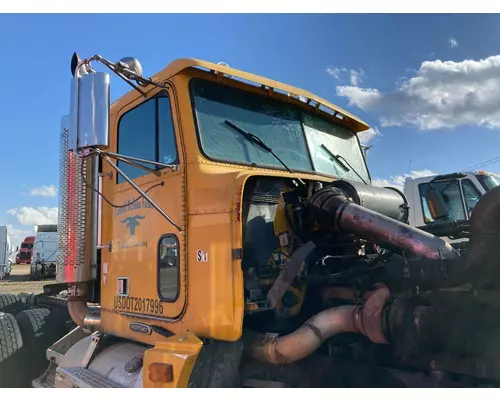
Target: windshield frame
{"x": 285, "y": 101}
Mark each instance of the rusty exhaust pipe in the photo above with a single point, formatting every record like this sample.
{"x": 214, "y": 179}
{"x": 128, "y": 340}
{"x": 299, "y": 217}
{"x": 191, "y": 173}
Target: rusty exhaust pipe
{"x": 332, "y": 206}
{"x": 366, "y": 320}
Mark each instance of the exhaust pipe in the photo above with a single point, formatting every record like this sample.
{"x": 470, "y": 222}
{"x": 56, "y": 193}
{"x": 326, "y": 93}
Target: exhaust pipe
{"x": 83, "y": 315}
{"x": 340, "y": 213}
{"x": 79, "y": 311}
{"x": 86, "y": 126}
{"x": 76, "y": 236}
{"x": 366, "y": 320}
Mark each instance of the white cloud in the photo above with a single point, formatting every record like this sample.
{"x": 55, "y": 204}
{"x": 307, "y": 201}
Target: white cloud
{"x": 336, "y": 72}
{"x": 367, "y": 136}
{"x": 439, "y": 95}
{"x": 453, "y": 42}
{"x": 45, "y": 191}
{"x": 355, "y": 76}
{"x": 35, "y": 216}
{"x": 399, "y": 180}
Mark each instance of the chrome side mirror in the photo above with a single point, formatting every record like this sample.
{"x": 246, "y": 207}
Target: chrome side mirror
{"x": 89, "y": 111}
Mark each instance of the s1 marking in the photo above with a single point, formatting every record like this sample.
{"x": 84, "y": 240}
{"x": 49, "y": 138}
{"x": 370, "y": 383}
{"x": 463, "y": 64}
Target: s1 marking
{"x": 201, "y": 256}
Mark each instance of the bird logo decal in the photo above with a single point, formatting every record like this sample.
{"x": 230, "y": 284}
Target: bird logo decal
{"x": 132, "y": 223}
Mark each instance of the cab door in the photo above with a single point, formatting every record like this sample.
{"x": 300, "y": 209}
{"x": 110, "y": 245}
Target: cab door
{"x": 143, "y": 274}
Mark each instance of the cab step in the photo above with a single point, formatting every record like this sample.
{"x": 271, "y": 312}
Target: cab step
{"x": 79, "y": 377}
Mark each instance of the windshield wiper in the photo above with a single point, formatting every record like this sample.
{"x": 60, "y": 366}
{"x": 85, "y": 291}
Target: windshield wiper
{"x": 338, "y": 158}
{"x": 252, "y": 138}
{"x": 255, "y": 139}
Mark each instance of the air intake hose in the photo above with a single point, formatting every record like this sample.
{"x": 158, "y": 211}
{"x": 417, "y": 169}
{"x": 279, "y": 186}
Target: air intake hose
{"x": 335, "y": 211}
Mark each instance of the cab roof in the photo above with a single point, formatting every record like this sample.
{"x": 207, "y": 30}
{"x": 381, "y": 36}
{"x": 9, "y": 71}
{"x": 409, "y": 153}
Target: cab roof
{"x": 453, "y": 175}
{"x": 179, "y": 65}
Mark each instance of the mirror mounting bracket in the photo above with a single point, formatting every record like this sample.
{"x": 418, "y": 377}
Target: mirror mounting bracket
{"x": 119, "y": 68}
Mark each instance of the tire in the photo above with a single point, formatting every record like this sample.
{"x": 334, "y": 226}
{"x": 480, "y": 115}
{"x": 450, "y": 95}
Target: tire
{"x": 11, "y": 347}
{"x": 40, "y": 328}
{"x": 10, "y": 336}
{"x": 28, "y": 300}
{"x": 32, "y": 323}
{"x": 10, "y": 303}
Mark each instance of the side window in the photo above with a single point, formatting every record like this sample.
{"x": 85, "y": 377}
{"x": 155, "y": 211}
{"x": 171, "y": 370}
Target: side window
{"x": 449, "y": 192}
{"x": 137, "y": 138}
{"x": 168, "y": 268}
{"x": 471, "y": 194}
{"x": 423, "y": 189}
{"x": 147, "y": 132}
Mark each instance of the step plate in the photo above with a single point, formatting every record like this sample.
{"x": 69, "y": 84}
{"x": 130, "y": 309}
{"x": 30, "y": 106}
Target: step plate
{"x": 78, "y": 377}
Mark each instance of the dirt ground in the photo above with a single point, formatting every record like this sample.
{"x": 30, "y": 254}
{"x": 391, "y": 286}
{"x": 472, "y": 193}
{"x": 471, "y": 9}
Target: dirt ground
{"x": 19, "y": 281}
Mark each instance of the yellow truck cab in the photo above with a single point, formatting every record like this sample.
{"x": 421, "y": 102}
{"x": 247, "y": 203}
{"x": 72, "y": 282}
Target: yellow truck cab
{"x": 218, "y": 228}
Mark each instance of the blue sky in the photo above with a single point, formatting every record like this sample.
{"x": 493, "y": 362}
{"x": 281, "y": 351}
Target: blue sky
{"x": 388, "y": 69}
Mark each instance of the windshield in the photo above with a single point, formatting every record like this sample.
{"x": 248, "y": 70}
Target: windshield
{"x": 454, "y": 194}
{"x": 339, "y": 141}
{"x": 488, "y": 181}
{"x": 26, "y": 246}
{"x": 287, "y": 130}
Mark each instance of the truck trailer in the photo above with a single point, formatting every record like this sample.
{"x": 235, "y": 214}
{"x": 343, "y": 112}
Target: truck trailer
{"x": 6, "y": 250}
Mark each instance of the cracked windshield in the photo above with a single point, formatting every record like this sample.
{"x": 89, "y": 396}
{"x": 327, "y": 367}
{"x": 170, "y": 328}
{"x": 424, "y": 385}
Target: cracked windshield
{"x": 294, "y": 135}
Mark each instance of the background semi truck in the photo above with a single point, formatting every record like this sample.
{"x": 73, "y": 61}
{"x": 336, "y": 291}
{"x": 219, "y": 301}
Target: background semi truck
{"x": 239, "y": 242}
{"x": 453, "y": 195}
{"x": 43, "y": 264}
{"x": 25, "y": 251}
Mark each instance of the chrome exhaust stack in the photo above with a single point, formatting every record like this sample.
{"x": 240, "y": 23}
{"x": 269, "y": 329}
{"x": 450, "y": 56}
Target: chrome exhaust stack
{"x": 84, "y": 141}
{"x": 86, "y": 127}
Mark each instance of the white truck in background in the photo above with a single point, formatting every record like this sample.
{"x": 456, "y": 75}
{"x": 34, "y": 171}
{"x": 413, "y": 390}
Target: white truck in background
{"x": 442, "y": 204}
{"x": 43, "y": 263}
{"x": 6, "y": 250}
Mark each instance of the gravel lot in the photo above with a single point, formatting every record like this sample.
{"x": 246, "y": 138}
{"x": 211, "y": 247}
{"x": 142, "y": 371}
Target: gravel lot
{"x": 19, "y": 281}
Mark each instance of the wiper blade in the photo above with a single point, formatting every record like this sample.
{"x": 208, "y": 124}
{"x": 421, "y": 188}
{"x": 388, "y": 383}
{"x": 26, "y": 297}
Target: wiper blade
{"x": 252, "y": 138}
{"x": 338, "y": 158}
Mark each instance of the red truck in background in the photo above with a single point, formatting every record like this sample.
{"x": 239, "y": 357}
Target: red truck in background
{"x": 25, "y": 251}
